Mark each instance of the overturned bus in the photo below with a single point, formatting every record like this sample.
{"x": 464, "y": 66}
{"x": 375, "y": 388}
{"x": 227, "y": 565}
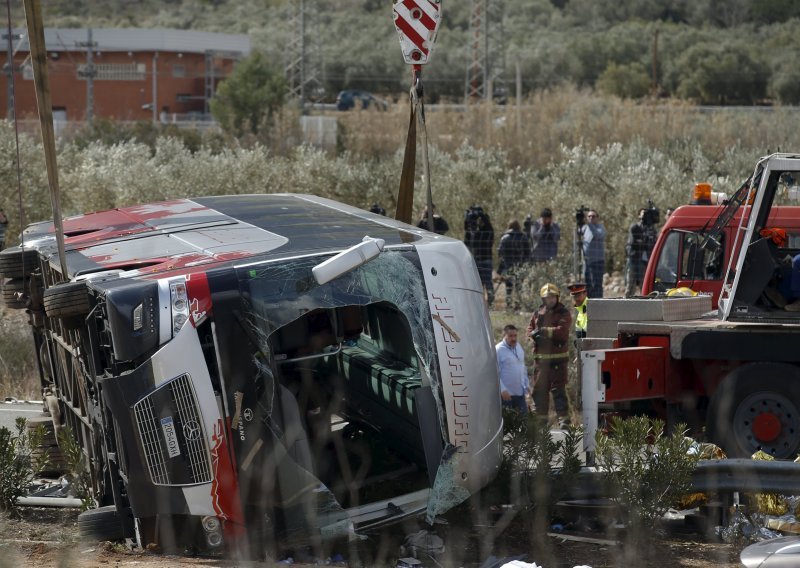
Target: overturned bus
{"x": 242, "y": 371}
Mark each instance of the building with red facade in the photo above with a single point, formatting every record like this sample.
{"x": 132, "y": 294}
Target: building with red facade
{"x": 124, "y": 74}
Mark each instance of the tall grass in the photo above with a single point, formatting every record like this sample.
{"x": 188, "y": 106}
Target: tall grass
{"x": 18, "y": 375}
{"x": 561, "y": 150}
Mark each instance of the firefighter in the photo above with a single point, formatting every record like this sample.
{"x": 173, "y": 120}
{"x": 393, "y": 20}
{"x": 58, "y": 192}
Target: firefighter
{"x": 550, "y": 329}
{"x": 580, "y": 299}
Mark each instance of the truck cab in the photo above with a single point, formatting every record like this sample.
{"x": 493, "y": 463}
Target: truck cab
{"x": 677, "y": 261}
{"x": 731, "y": 373}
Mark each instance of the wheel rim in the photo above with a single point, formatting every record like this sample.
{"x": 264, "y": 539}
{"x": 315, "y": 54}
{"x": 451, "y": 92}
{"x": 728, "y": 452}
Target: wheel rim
{"x": 767, "y": 421}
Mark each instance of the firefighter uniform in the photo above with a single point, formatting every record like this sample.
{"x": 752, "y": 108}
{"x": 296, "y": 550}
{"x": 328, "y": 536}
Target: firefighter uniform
{"x": 551, "y": 329}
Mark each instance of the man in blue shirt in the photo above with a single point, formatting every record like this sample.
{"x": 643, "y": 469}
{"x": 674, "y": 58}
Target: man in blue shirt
{"x": 514, "y": 383}
{"x": 594, "y": 253}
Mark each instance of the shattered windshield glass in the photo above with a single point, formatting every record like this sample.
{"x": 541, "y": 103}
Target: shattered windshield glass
{"x": 353, "y": 351}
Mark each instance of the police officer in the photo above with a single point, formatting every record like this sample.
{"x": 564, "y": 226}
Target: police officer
{"x": 580, "y": 298}
{"x": 549, "y": 329}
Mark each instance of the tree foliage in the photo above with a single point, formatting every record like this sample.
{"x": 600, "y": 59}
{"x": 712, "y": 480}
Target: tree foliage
{"x": 630, "y": 81}
{"x": 720, "y": 74}
{"x": 649, "y": 471}
{"x": 246, "y": 100}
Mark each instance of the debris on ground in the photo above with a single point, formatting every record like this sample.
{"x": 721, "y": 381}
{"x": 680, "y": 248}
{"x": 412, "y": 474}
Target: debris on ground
{"x": 422, "y": 543}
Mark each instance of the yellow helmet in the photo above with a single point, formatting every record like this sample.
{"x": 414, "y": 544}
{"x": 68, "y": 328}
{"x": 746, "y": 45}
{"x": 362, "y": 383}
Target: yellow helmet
{"x": 682, "y": 292}
{"x": 549, "y": 289}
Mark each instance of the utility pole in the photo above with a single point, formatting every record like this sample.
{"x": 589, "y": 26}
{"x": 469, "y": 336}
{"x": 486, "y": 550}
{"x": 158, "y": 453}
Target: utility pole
{"x": 9, "y": 70}
{"x": 486, "y": 51}
{"x": 655, "y": 63}
{"x": 303, "y": 56}
{"x": 89, "y": 72}
{"x": 154, "y": 86}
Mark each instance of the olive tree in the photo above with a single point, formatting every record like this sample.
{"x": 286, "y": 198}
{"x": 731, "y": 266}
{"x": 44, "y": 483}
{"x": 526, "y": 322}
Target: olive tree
{"x": 250, "y": 96}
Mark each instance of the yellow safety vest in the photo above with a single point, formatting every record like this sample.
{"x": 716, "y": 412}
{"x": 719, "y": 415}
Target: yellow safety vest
{"x": 582, "y": 319}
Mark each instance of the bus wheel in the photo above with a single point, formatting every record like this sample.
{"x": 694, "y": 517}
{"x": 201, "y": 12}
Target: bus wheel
{"x": 18, "y": 263}
{"x": 757, "y": 407}
{"x": 101, "y": 524}
{"x": 66, "y": 301}
{"x": 14, "y": 293}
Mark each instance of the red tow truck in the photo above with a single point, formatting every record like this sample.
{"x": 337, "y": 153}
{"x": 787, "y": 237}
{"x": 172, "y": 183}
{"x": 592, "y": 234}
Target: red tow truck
{"x": 726, "y": 362}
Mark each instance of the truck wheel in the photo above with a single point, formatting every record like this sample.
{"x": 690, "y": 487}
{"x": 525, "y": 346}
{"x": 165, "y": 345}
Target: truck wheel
{"x": 18, "y": 263}
{"x": 101, "y": 524}
{"x": 67, "y": 300}
{"x": 757, "y": 407}
{"x": 13, "y": 288}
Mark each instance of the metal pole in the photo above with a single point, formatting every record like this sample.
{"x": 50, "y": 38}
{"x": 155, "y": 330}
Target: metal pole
{"x": 90, "y": 77}
{"x": 519, "y": 97}
{"x": 487, "y": 73}
{"x": 89, "y": 73}
{"x": 33, "y": 15}
{"x": 302, "y": 55}
{"x": 154, "y": 94}
{"x": 9, "y": 72}
{"x": 655, "y": 63}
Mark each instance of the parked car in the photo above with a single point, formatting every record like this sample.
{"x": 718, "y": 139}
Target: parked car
{"x": 353, "y": 99}
{"x": 782, "y": 552}
{"x": 225, "y": 362}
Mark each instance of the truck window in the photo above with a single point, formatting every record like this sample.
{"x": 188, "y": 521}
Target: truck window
{"x": 667, "y": 267}
{"x": 701, "y": 264}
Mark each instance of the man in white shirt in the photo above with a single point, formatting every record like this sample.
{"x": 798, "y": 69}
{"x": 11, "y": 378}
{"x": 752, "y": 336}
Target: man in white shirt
{"x": 514, "y": 384}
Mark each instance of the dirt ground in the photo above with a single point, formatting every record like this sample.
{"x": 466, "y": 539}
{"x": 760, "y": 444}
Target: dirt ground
{"x": 48, "y": 538}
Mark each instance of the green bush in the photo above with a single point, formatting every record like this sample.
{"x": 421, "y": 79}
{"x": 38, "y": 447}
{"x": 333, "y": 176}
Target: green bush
{"x": 76, "y": 463}
{"x": 537, "y": 469}
{"x": 720, "y": 73}
{"x": 246, "y": 101}
{"x": 17, "y": 465}
{"x": 648, "y": 470}
{"x": 629, "y": 81}
{"x": 784, "y": 84}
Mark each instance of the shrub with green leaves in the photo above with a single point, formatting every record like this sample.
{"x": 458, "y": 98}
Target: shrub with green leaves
{"x": 543, "y": 467}
{"x": 76, "y": 463}
{"x": 18, "y": 465}
{"x": 647, "y": 469}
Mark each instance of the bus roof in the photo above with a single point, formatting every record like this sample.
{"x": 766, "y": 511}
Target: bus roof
{"x": 165, "y": 236}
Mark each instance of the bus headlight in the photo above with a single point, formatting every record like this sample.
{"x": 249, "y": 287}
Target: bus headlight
{"x": 179, "y": 304}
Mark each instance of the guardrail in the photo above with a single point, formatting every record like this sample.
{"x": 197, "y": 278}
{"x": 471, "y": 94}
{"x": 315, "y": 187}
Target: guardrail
{"x": 711, "y": 476}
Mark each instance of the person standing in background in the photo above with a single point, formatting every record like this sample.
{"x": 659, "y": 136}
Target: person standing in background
{"x": 479, "y": 238}
{"x": 641, "y": 239}
{"x": 594, "y": 254}
{"x": 440, "y": 226}
{"x": 514, "y": 382}
{"x": 549, "y": 330}
{"x": 3, "y": 227}
{"x": 545, "y": 234}
{"x": 514, "y": 251}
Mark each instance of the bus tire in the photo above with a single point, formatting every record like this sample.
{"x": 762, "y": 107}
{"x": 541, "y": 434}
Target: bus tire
{"x": 102, "y": 524}
{"x": 18, "y": 263}
{"x": 757, "y": 407}
{"x": 67, "y": 301}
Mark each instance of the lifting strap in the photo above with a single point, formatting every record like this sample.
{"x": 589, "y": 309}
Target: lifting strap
{"x": 417, "y": 23}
